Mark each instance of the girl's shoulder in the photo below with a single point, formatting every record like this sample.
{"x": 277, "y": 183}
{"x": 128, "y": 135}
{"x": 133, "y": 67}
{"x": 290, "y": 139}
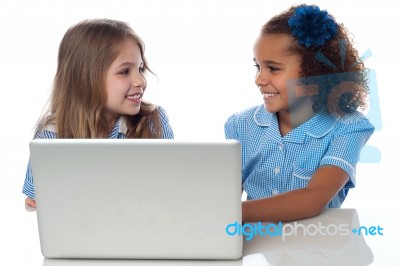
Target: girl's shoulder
{"x": 161, "y": 111}
{"x": 255, "y": 116}
{"x": 46, "y": 133}
{"x": 247, "y": 113}
{"x": 355, "y": 120}
{"x": 46, "y": 129}
{"x": 353, "y": 117}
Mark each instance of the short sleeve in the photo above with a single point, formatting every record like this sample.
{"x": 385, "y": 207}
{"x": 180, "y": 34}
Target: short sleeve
{"x": 28, "y": 188}
{"x": 230, "y": 128}
{"x": 345, "y": 148}
{"x": 167, "y": 133}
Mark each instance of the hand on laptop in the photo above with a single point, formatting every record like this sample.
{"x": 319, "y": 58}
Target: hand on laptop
{"x": 30, "y": 202}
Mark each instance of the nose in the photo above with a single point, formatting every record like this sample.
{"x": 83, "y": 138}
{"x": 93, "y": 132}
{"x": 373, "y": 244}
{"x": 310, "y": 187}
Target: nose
{"x": 138, "y": 80}
{"x": 262, "y": 78}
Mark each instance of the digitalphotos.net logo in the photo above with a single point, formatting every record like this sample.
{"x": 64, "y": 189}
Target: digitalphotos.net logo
{"x": 249, "y": 231}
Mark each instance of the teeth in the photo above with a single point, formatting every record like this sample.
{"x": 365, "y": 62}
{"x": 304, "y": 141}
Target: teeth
{"x": 136, "y": 96}
{"x": 268, "y": 94}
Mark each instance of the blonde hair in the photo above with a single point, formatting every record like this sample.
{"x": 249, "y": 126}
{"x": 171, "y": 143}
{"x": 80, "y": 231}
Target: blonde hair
{"x": 76, "y": 104}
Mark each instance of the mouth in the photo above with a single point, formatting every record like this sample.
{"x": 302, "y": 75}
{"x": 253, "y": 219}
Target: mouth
{"x": 134, "y": 97}
{"x": 268, "y": 95}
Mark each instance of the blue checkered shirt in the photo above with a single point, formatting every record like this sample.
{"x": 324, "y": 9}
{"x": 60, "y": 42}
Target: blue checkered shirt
{"x": 272, "y": 164}
{"x": 118, "y": 132}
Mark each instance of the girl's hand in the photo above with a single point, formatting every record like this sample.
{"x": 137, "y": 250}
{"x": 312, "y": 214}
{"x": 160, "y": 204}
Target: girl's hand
{"x": 30, "y": 202}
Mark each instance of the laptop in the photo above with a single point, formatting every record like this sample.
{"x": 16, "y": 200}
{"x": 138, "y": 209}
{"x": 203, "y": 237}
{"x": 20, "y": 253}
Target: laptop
{"x": 137, "y": 198}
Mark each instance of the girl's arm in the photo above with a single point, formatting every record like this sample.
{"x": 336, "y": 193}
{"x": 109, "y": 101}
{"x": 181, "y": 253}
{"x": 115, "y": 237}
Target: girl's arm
{"x": 298, "y": 204}
{"x": 28, "y": 188}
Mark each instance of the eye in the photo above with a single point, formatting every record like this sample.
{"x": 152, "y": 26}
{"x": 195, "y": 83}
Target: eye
{"x": 142, "y": 70}
{"x": 257, "y": 67}
{"x": 273, "y": 69}
{"x": 124, "y": 72}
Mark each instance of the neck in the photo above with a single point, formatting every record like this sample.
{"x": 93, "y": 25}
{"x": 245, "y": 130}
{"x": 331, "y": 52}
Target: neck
{"x": 289, "y": 120}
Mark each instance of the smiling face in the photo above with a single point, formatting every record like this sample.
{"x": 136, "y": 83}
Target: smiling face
{"x": 275, "y": 67}
{"x": 125, "y": 82}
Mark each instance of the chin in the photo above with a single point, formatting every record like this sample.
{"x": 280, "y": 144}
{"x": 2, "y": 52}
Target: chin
{"x": 269, "y": 109}
{"x": 132, "y": 112}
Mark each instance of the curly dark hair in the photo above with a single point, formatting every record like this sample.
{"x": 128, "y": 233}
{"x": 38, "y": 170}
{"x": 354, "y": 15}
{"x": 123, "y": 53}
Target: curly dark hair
{"x": 343, "y": 85}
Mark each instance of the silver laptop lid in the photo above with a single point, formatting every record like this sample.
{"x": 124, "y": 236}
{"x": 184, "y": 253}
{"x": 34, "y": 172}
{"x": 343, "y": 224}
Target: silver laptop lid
{"x": 158, "y": 199}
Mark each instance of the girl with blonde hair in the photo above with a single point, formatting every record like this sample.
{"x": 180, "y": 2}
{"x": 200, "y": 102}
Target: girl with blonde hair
{"x": 98, "y": 89}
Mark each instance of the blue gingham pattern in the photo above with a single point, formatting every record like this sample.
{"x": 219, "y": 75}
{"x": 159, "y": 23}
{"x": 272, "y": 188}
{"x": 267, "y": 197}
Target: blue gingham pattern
{"x": 118, "y": 132}
{"x": 272, "y": 164}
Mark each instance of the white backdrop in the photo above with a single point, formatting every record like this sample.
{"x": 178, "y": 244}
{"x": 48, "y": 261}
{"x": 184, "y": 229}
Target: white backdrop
{"x": 202, "y": 54}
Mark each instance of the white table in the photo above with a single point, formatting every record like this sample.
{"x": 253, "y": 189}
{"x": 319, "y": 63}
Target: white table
{"x": 328, "y": 240}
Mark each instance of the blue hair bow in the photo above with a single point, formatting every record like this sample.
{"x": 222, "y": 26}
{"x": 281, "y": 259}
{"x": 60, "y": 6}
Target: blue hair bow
{"x": 312, "y": 26}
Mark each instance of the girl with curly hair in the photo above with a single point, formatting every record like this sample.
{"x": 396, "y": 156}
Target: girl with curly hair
{"x": 300, "y": 148}
{"x": 98, "y": 89}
